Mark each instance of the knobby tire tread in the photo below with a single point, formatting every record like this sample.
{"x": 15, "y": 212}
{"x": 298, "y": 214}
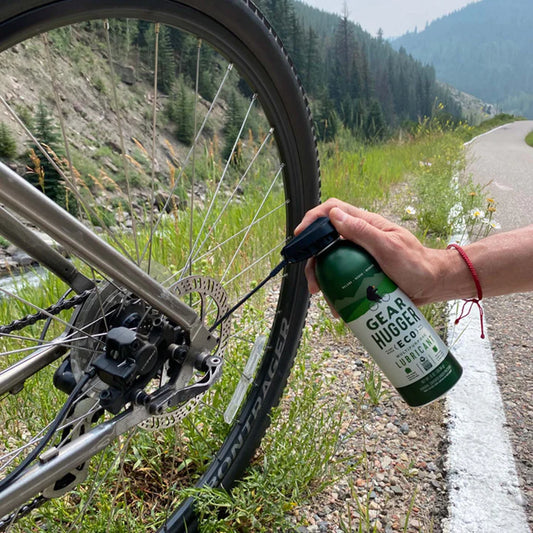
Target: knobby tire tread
{"x": 255, "y": 43}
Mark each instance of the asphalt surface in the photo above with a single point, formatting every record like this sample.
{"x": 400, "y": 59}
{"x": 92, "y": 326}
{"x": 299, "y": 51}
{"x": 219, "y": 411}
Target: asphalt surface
{"x": 503, "y": 161}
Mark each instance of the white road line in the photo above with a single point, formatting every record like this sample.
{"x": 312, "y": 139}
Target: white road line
{"x": 483, "y": 487}
{"x": 483, "y": 484}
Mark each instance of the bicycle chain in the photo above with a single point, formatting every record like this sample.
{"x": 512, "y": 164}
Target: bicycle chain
{"x": 44, "y": 314}
{"x": 26, "y": 509}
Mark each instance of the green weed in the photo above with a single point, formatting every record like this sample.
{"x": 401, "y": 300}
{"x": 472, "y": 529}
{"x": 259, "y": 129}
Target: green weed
{"x": 373, "y": 384}
{"x": 529, "y": 138}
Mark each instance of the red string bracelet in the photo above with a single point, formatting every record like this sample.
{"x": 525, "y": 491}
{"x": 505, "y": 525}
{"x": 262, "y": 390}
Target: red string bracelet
{"x": 471, "y": 301}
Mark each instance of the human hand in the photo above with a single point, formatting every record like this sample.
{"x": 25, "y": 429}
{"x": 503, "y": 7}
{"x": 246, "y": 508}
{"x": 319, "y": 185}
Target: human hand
{"x": 412, "y": 266}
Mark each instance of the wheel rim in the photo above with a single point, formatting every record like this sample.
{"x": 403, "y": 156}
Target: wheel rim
{"x": 255, "y": 201}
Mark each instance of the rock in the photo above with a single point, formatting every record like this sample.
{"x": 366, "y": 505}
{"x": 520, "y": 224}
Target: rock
{"x": 404, "y": 457}
{"x": 19, "y": 257}
{"x": 397, "y": 490}
{"x": 111, "y": 166}
{"x": 161, "y": 202}
{"x": 386, "y": 461}
{"x": 126, "y": 73}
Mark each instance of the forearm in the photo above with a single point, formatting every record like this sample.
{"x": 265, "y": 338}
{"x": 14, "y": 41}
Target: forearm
{"x": 503, "y": 262}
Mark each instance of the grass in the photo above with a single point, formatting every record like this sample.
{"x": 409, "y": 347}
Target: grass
{"x": 298, "y": 458}
{"x": 529, "y": 138}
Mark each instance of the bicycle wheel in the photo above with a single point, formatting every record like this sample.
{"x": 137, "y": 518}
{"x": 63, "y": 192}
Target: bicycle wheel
{"x": 200, "y": 186}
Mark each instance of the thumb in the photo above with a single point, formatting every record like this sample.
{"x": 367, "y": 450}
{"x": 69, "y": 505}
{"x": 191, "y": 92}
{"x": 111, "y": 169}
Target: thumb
{"x": 356, "y": 229}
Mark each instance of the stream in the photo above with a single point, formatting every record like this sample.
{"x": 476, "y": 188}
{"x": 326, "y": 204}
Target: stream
{"x": 12, "y": 283}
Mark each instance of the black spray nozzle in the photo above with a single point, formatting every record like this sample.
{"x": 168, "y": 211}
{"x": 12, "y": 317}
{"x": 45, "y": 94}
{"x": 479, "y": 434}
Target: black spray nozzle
{"x": 310, "y": 242}
{"x": 313, "y": 239}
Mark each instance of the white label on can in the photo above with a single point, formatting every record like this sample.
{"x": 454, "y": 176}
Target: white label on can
{"x": 400, "y": 339}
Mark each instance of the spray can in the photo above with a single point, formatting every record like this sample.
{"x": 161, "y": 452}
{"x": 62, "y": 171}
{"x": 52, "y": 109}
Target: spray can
{"x": 390, "y": 327}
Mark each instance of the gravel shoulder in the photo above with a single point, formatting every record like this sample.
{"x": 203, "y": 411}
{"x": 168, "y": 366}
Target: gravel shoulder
{"x": 397, "y": 479}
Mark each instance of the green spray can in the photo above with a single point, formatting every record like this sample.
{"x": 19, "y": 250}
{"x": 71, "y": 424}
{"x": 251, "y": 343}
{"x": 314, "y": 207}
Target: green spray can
{"x": 390, "y": 327}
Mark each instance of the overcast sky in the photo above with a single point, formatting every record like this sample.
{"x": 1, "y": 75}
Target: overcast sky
{"x": 395, "y": 17}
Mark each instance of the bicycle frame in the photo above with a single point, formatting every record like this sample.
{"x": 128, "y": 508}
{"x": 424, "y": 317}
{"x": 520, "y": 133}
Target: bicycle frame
{"x": 61, "y": 461}
{"x": 24, "y": 199}
{"x": 21, "y": 197}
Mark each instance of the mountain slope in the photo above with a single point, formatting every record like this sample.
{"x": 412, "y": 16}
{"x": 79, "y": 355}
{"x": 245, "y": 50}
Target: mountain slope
{"x": 484, "y": 49}
{"x": 352, "y": 78}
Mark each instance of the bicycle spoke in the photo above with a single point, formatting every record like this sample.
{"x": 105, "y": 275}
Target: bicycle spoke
{"x": 239, "y": 233}
{"x": 154, "y": 136}
{"x": 195, "y": 248}
{"x": 172, "y": 191}
{"x": 203, "y": 213}
{"x": 251, "y": 224}
{"x": 60, "y": 114}
{"x": 125, "y": 162}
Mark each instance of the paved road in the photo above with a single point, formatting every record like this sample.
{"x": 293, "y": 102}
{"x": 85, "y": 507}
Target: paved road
{"x": 503, "y": 159}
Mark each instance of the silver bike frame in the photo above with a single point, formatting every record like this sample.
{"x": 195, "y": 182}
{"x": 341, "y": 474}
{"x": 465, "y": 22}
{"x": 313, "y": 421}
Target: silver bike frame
{"x": 58, "y": 462}
{"x": 24, "y": 199}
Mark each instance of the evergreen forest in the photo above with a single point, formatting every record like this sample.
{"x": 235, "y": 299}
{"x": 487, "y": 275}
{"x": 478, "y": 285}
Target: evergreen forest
{"x": 355, "y": 80}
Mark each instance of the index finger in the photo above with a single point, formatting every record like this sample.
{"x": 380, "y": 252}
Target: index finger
{"x": 321, "y": 210}
{"x": 324, "y": 209}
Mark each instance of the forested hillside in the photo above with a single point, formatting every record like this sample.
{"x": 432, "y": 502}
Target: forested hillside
{"x": 484, "y": 49}
{"x": 354, "y": 78}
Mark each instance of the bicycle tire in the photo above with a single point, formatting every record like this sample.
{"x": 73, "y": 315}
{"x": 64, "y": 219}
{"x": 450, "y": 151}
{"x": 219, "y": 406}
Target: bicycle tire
{"x": 239, "y": 31}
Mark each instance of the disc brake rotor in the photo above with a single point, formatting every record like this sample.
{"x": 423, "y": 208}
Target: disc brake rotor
{"x": 210, "y": 301}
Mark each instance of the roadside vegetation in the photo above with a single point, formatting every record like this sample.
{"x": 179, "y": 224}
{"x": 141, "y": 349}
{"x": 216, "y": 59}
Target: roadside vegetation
{"x": 298, "y": 460}
{"x": 529, "y": 138}
{"x": 416, "y": 177}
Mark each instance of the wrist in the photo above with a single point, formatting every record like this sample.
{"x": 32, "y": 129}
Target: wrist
{"x": 450, "y": 278}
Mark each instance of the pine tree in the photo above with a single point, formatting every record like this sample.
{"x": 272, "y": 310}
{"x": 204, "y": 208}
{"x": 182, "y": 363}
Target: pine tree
{"x": 123, "y": 34}
{"x": 327, "y": 122}
{"x": 375, "y": 127}
{"x": 296, "y": 38}
{"x": 43, "y": 174}
{"x": 234, "y": 119}
{"x": 342, "y": 61}
{"x": 206, "y": 82}
{"x": 184, "y": 113}
{"x": 166, "y": 61}
{"x": 359, "y": 118}
{"x": 8, "y": 146}
{"x": 311, "y": 70}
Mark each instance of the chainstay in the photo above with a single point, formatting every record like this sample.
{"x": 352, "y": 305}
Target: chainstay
{"x": 17, "y": 325}
{"x": 26, "y": 509}
{"x": 44, "y": 314}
